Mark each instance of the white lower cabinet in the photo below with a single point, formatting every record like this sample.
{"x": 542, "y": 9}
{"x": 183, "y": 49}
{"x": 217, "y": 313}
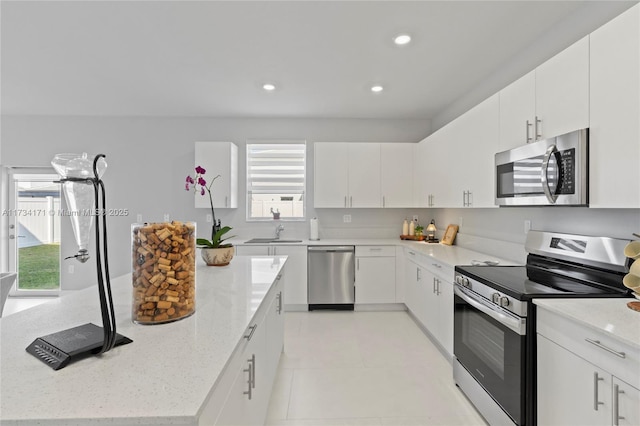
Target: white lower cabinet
{"x": 295, "y": 280}
{"x": 255, "y": 363}
{"x": 375, "y": 274}
{"x": 583, "y": 375}
{"x": 429, "y": 296}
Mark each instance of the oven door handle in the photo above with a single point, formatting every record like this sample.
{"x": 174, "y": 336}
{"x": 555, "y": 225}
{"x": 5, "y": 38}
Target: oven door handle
{"x": 515, "y": 324}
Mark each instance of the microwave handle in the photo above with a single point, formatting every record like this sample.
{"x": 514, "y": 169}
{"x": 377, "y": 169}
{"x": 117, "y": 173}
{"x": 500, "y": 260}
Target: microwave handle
{"x": 552, "y": 150}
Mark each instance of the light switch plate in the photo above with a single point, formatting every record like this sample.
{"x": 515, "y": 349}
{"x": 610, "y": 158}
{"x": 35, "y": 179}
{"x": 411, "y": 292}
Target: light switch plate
{"x": 346, "y": 218}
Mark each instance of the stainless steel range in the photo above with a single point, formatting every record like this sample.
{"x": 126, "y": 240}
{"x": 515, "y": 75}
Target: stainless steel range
{"x": 494, "y": 317}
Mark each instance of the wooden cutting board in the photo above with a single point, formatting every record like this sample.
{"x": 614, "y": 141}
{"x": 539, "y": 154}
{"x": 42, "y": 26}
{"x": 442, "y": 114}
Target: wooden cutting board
{"x": 634, "y": 306}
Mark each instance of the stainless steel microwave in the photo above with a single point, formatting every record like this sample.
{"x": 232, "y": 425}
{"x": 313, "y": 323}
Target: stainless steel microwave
{"x": 549, "y": 172}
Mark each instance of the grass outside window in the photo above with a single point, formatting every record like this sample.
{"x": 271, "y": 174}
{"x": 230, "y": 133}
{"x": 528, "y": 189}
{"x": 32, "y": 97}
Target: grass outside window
{"x": 39, "y": 267}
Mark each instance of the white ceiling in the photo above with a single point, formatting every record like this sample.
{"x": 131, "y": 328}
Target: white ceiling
{"x": 210, "y": 58}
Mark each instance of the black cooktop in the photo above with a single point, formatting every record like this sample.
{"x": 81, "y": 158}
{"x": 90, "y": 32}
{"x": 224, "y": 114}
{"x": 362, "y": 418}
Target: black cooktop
{"x": 540, "y": 278}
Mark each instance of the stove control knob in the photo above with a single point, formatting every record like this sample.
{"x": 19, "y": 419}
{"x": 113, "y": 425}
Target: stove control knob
{"x": 459, "y": 279}
{"x": 504, "y": 301}
{"x": 465, "y": 282}
{"x": 495, "y": 298}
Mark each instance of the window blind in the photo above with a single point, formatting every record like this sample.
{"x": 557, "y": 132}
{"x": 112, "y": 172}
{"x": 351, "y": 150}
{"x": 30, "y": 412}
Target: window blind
{"x": 276, "y": 168}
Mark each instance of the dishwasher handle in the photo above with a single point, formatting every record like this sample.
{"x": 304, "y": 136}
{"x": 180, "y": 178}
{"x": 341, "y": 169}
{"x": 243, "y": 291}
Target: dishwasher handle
{"x": 331, "y": 249}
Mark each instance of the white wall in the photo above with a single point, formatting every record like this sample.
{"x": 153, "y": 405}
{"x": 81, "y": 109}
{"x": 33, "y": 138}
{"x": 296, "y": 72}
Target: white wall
{"x": 149, "y": 158}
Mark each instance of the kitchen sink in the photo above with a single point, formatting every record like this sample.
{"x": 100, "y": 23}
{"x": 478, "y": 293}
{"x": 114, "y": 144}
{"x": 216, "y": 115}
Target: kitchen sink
{"x": 270, "y": 241}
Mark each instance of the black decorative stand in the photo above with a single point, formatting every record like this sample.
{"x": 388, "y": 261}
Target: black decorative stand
{"x": 59, "y": 349}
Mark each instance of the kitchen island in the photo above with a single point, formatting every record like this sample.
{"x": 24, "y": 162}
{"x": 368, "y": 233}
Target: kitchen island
{"x": 174, "y": 373}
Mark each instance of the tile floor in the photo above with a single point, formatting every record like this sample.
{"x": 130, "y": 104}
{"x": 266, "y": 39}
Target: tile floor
{"x": 363, "y": 368}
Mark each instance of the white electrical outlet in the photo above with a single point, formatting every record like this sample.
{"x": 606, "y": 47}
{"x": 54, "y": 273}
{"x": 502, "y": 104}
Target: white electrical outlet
{"x": 139, "y": 218}
{"x": 71, "y": 269}
{"x": 527, "y": 226}
{"x": 166, "y": 217}
{"x": 415, "y": 217}
{"x": 209, "y": 218}
{"x": 346, "y": 218}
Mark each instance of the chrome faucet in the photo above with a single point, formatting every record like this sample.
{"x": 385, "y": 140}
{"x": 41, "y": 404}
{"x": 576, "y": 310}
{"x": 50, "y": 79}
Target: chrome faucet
{"x": 279, "y": 229}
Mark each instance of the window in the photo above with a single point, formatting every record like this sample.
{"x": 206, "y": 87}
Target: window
{"x": 34, "y": 225}
{"x": 276, "y": 182}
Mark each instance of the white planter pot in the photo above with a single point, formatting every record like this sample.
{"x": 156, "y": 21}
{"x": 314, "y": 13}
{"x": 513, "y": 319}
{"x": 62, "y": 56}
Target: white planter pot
{"x": 217, "y": 256}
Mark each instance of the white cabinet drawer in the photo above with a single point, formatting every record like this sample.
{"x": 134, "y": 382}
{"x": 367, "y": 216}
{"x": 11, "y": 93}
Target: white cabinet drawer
{"x": 610, "y": 354}
{"x": 375, "y": 251}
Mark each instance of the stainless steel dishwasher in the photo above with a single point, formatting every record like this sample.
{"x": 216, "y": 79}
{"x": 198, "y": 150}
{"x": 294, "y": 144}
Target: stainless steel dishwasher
{"x": 331, "y": 277}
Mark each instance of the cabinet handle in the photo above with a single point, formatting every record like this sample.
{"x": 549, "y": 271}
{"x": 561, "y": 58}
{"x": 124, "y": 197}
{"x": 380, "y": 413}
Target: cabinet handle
{"x": 538, "y": 129}
{"x": 279, "y": 310}
{"x": 383, "y": 203}
{"x": 252, "y": 376}
{"x": 469, "y": 198}
{"x": 601, "y": 346}
{"x": 250, "y": 335}
{"x": 375, "y": 249}
{"x": 464, "y": 198}
{"x": 437, "y": 265}
{"x": 226, "y": 201}
{"x": 616, "y": 405}
{"x": 417, "y": 274}
{"x": 437, "y": 287}
{"x": 412, "y": 253}
{"x": 345, "y": 201}
{"x": 528, "y": 139}
{"x": 351, "y": 201}
{"x": 434, "y": 285}
{"x": 596, "y": 379}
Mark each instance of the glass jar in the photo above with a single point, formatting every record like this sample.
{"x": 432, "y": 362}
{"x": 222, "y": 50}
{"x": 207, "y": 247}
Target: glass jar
{"x": 163, "y": 271}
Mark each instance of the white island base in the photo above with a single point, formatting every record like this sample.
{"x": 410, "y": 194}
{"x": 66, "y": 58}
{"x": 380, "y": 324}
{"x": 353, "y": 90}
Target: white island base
{"x": 215, "y": 367}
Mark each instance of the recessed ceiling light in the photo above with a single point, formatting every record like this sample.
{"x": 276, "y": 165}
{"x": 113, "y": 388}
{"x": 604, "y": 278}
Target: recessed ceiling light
{"x": 269, "y": 87}
{"x": 402, "y": 39}
{"x": 377, "y": 88}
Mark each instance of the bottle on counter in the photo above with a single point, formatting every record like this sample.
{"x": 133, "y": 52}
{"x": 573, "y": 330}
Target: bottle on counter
{"x": 405, "y": 227}
{"x": 412, "y": 228}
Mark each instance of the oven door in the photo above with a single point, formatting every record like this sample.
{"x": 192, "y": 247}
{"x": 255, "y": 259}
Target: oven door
{"x": 491, "y": 345}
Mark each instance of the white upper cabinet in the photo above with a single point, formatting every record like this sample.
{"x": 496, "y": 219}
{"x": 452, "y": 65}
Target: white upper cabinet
{"x": 218, "y": 158}
{"x": 549, "y": 101}
{"x": 331, "y": 175}
{"x": 397, "y": 174}
{"x": 421, "y": 196}
{"x": 517, "y": 112}
{"x": 562, "y": 91}
{"x": 364, "y": 175}
{"x": 431, "y": 170}
{"x": 474, "y": 149}
{"x": 614, "y": 134}
{"x": 347, "y": 175}
{"x": 456, "y": 164}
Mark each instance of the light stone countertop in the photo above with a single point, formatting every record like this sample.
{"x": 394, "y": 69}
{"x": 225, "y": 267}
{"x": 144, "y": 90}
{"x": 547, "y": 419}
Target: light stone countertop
{"x": 450, "y": 255}
{"x": 163, "y": 377}
{"x": 609, "y": 316}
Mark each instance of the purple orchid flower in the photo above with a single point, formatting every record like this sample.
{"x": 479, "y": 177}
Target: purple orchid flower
{"x": 200, "y": 170}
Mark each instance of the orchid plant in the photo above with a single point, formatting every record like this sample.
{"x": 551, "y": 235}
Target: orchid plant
{"x": 199, "y": 184}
